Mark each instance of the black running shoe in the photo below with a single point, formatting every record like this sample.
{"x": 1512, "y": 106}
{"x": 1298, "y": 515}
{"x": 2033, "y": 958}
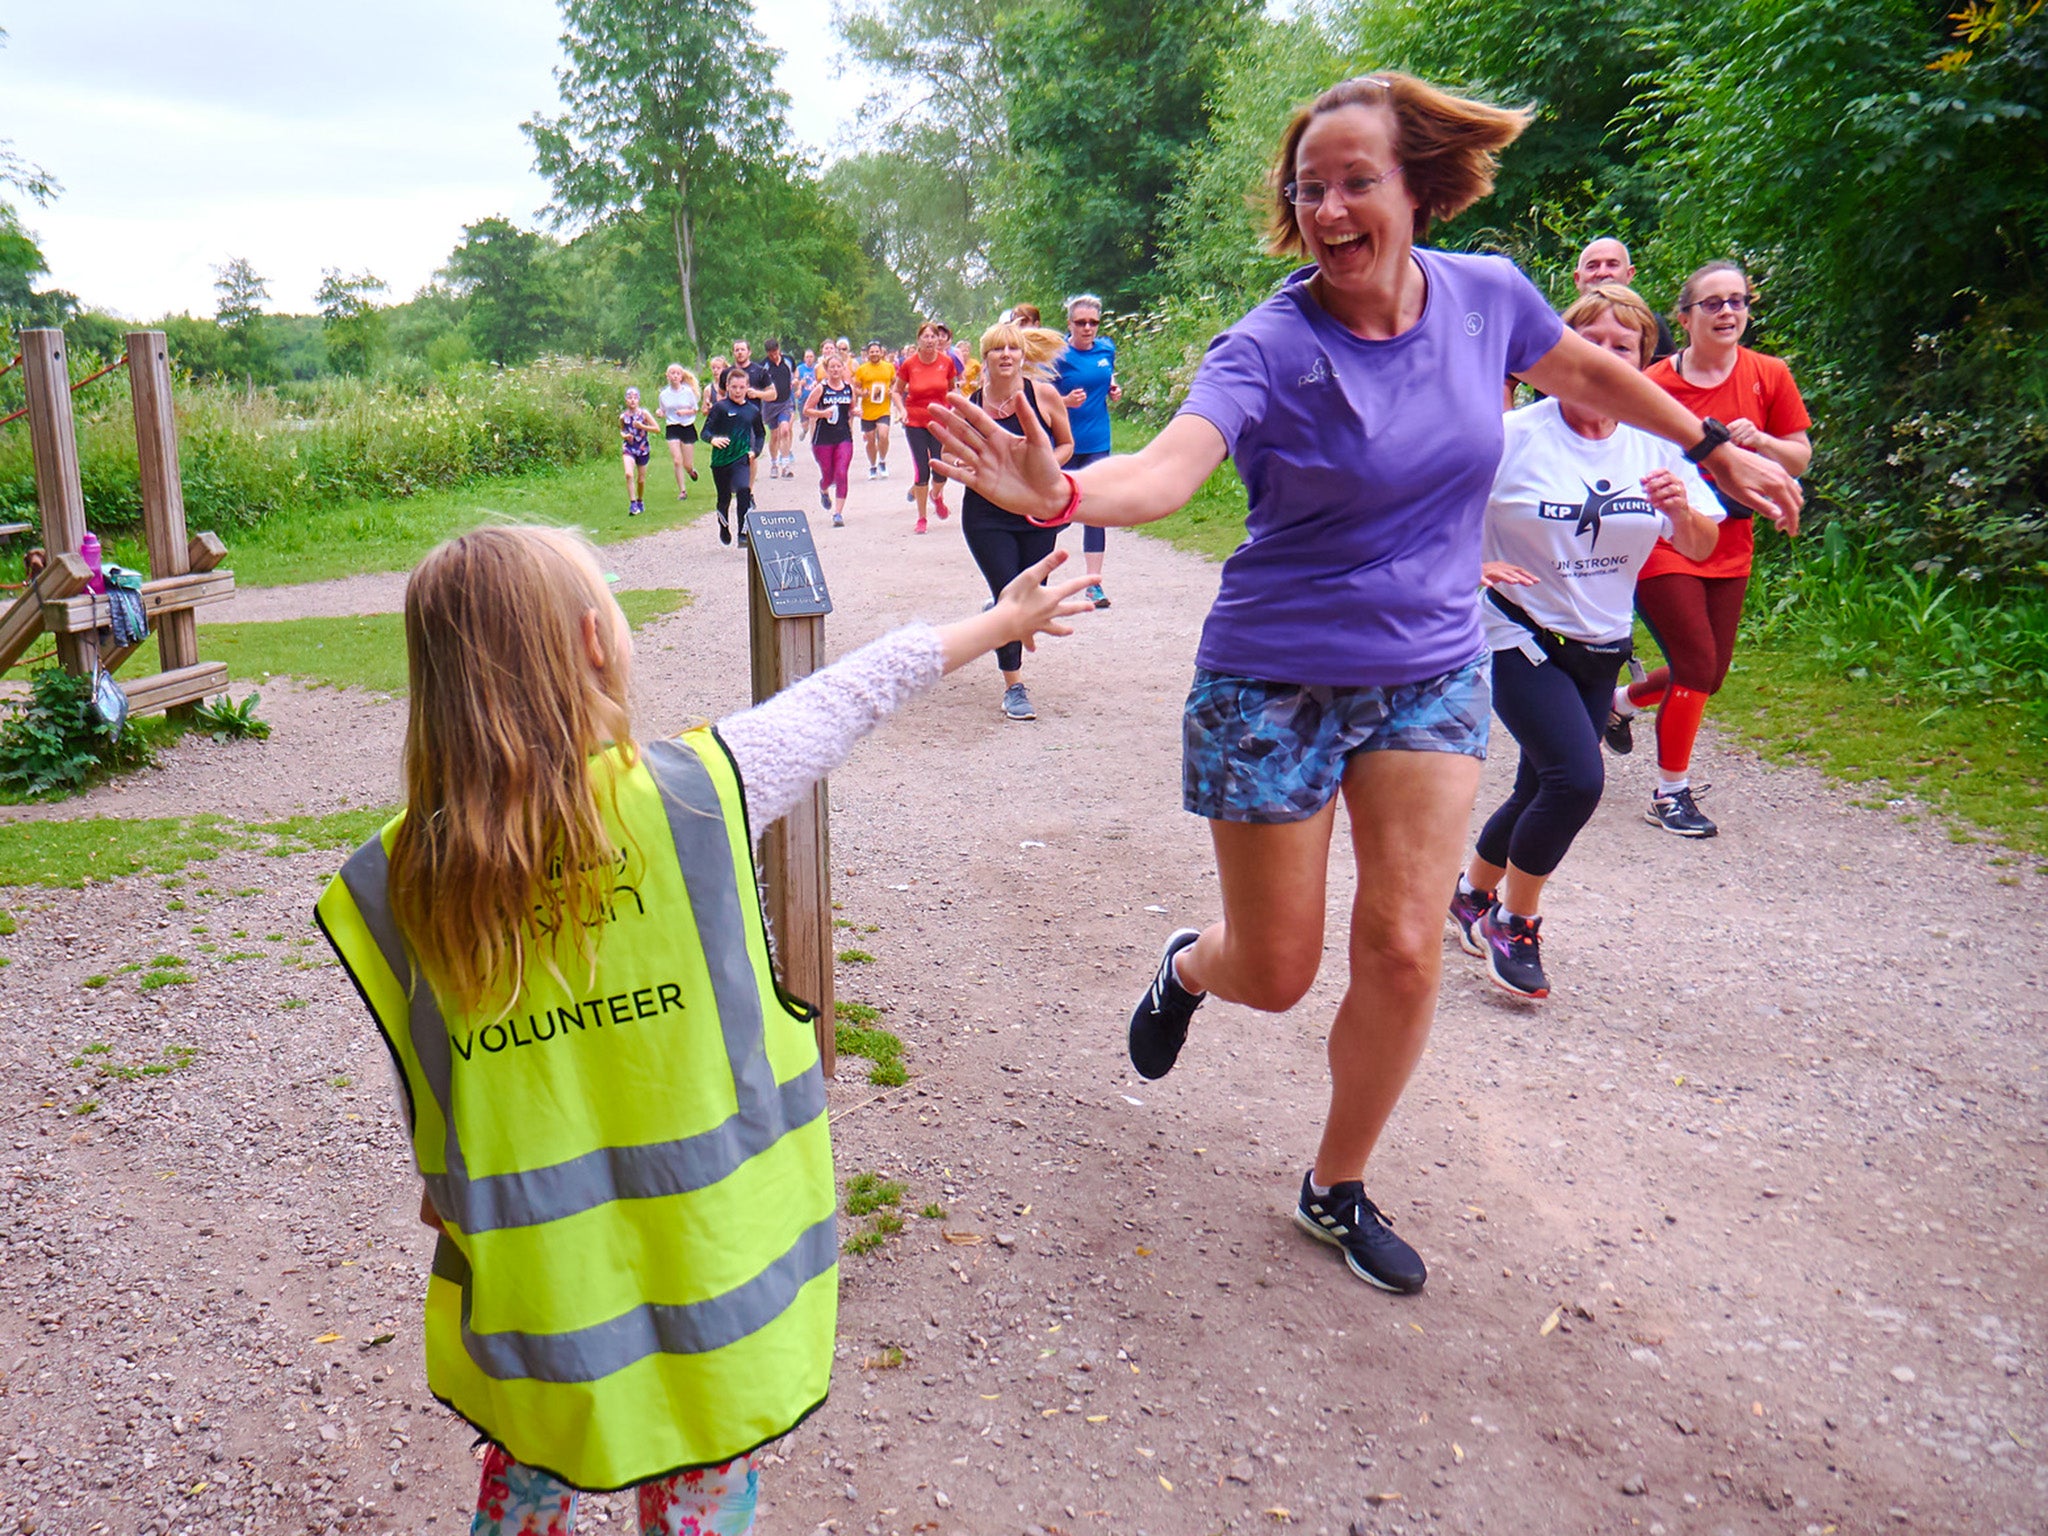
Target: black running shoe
{"x": 724, "y": 529}
{"x": 1676, "y": 812}
{"x": 1466, "y": 910}
{"x": 1514, "y": 952}
{"x": 1620, "y": 734}
{"x": 1159, "y": 1024}
{"x": 1345, "y": 1219}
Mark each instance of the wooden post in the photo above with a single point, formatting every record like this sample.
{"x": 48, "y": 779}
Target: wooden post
{"x": 163, "y": 493}
{"x": 796, "y": 852}
{"x": 53, "y": 443}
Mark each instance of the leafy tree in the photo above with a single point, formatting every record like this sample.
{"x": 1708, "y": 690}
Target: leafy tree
{"x": 917, "y": 218}
{"x": 513, "y": 310}
{"x": 666, "y": 104}
{"x": 1105, "y": 99}
{"x": 936, "y": 145}
{"x": 239, "y": 314}
{"x": 351, "y": 318}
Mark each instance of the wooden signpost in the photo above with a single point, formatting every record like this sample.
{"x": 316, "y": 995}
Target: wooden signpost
{"x": 786, "y": 606}
{"x": 182, "y": 569}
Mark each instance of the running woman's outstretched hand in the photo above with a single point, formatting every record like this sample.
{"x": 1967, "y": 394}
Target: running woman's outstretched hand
{"x": 1018, "y": 474}
{"x": 1027, "y": 609}
{"x": 1756, "y": 482}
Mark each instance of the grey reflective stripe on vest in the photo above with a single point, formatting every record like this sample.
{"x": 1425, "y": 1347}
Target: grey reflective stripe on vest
{"x": 653, "y": 1328}
{"x": 766, "y": 1110}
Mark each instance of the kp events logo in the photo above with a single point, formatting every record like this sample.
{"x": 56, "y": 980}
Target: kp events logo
{"x": 1602, "y": 500}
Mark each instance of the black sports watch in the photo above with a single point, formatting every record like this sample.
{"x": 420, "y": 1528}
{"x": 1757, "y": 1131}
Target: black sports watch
{"x": 1714, "y": 436}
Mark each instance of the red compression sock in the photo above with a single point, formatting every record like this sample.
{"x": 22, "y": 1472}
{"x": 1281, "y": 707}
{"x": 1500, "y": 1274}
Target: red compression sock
{"x": 1649, "y": 693}
{"x": 1678, "y": 722}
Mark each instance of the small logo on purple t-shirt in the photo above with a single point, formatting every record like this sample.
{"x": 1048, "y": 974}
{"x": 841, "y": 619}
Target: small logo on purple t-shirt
{"x": 1474, "y": 323}
{"x": 1321, "y": 373}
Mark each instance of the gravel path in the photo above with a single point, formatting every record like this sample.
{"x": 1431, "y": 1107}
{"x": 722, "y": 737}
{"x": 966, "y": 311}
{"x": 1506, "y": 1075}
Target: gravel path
{"x": 1743, "y": 1230}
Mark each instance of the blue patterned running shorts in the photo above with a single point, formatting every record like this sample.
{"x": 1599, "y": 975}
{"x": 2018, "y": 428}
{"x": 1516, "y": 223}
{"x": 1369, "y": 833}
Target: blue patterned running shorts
{"x": 1276, "y": 752}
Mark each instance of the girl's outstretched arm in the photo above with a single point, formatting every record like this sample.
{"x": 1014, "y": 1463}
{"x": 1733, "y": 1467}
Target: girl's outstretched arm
{"x": 785, "y": 745}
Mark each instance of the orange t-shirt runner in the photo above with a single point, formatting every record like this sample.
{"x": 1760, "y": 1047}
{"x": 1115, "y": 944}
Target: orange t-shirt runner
{"x": 1758, "y": 387}
{"x": 924, "y": 386}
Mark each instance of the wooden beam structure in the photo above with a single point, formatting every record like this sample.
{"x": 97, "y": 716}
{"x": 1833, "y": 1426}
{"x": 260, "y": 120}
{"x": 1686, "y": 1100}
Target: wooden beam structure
{"x": 163, "y": 494}
{"x": 53, "y": 443}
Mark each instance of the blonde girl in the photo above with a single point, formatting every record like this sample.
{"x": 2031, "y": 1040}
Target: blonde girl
{"x": 680, "y": 400}
{"x": 618, "y": 1115}
{"x": 1012, "y": 376}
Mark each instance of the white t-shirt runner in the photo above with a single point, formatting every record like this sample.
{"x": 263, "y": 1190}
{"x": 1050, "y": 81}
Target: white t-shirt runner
{"x": 1571, "y": 511}
{"x": 678, "y": 406}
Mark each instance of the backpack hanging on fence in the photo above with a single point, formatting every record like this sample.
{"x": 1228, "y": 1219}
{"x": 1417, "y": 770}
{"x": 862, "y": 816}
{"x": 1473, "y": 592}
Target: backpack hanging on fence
{"x": 124, "y": 605}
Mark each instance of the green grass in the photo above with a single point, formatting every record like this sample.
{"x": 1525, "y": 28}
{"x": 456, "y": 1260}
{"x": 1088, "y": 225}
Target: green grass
{"x": 157, "y": 979}
{"x": 352, "y": 537}
{"x": 867, "y": 1193}
{"x": 855, "y": 957}
{"x": 1985, "y": 764}
{"x": 69, "y": 853}
{"x": 365, "y": 651}
{"x": 855, "y": 1033}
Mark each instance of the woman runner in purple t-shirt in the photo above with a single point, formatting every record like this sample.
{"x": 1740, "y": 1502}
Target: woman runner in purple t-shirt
{"x": 1343, "y": 657}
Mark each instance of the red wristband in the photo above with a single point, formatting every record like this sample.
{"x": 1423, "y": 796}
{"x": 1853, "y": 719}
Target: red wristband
{"x": 1067, "y": 512}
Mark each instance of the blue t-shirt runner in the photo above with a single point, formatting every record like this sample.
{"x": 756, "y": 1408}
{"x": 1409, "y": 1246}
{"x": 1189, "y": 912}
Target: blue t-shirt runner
{"x": 1090, "y": 370}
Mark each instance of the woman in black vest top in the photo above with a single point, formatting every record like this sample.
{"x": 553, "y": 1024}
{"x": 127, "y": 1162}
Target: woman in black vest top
{"x": 1013, "y": 374}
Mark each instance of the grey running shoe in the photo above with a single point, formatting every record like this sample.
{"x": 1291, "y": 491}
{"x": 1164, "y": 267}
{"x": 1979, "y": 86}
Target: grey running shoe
{"x": 1676, "y": 812}
{"x": 1016, "y": 702}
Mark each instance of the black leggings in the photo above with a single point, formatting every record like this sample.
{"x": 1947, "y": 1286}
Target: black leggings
{"x": 1005, "y": 546}
{"x": 923, "y": 449}
{"x": 1557, "y": 723}
{"x": 735, "y": 481}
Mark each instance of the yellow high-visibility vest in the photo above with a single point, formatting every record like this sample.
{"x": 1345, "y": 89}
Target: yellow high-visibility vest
{"x": 640, "y": 1272}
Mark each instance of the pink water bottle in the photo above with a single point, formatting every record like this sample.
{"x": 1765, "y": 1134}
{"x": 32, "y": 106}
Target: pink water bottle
{"x": 89, "y": 552}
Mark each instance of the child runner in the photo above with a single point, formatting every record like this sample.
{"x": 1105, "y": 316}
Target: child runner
{"x": 634, "y": 425}
{"x": 922, "y": 381}
{"x": 730, "y": 427}
{"x": 1577, "y": 505}
{"x": 617, "y": 1112}
{"x": 1692, "y": 608}
{"x": 1012, "y": 375}
{"x": 806, "y": 376}
{"x": 874, "y": 376}
{"x": 829, "y": 410}
{"x": 679, "y": 404}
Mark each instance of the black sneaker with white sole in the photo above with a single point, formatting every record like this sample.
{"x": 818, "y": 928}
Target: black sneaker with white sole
{"x": 1620, "y": 734}
{"x": 1347, "y": 1220}
{"x": 1159, "y": 1024}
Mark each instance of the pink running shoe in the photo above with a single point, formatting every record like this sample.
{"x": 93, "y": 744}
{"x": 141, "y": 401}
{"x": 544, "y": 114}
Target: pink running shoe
{"x": 920, "y": 526}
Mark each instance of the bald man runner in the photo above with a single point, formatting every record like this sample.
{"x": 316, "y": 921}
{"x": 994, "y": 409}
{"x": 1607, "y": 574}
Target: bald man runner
{"x": 1606, "y": 260}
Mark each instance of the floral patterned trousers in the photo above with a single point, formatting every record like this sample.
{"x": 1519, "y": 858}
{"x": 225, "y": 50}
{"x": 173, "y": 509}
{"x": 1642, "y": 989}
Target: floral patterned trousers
{"x": 517, "y": 1500}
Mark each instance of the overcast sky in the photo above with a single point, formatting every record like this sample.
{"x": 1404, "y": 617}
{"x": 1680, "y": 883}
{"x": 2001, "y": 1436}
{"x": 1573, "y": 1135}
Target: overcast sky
{"x": 357, "y": 135}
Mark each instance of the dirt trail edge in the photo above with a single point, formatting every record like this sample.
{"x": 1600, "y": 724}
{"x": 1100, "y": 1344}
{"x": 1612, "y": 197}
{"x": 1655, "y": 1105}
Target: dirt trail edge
{"x": 1743, "y": 1230}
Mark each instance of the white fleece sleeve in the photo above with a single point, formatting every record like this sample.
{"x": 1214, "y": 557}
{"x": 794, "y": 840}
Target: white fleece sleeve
{"x": 784, "y": 746}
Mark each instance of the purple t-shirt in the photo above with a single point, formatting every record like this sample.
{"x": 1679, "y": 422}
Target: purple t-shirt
{"x": 1367, "y": 465}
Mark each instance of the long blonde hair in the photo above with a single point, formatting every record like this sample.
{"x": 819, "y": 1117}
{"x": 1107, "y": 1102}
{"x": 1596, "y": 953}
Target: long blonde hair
{"x": 502, "y": 840}
{"x": 1040, "y": 347}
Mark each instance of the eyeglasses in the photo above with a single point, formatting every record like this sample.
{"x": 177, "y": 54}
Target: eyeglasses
{"x": 1352, "y": 189}
{"x": 1739, "y": 302}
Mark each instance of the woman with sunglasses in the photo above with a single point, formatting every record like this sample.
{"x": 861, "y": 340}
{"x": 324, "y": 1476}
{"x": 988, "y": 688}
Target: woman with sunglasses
{"x": 1693, "y": 607}
{"x": 1343, "y": 659}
